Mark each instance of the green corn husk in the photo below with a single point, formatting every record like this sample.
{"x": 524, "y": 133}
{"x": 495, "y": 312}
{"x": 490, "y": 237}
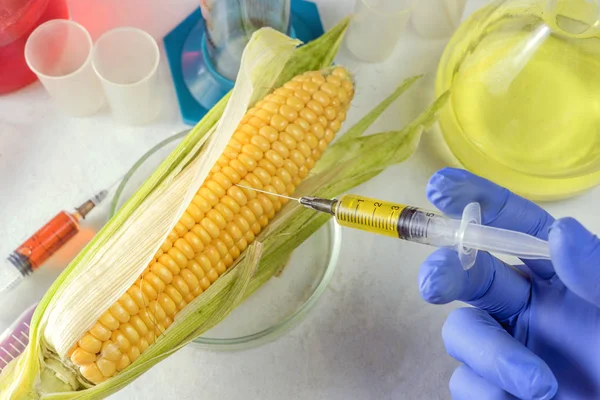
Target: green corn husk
{"x": 350, "y": 161}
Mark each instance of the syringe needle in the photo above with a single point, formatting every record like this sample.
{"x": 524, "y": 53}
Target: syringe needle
{"x": 314, "y": 203}
{"x": 115, "y": 183}
{"x": 99, "y": 197}
{"x": 270, "y": 193}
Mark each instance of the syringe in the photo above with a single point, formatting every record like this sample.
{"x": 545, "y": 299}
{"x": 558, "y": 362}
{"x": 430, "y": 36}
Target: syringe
{"x": 414, "y": 224}
{"x": 44, "y": 243}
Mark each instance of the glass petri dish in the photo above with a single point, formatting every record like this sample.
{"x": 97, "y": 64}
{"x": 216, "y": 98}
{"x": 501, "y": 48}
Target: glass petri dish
{"x": 282, "y": 302}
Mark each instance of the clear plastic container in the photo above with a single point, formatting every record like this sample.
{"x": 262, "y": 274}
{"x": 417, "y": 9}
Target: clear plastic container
{"x": 376, "y": 27}
{"x": 437, "y": 19}
{"x": 59, "y": 52}
{"x": 126, "y": 60}
{"x": 281, "y": 303}
{"x": 525, "y": 92}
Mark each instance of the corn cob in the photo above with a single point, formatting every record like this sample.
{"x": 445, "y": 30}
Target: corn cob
{"x": 275, "y": 146}
{"x": 74, "y": 311}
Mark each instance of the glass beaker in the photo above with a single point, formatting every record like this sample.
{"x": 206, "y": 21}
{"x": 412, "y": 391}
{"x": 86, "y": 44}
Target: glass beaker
{"x": 524, "y": 77}
{"x": 376, "y": 28}
{"x": 212, "y": 52}
{"x": 231, "y": 23}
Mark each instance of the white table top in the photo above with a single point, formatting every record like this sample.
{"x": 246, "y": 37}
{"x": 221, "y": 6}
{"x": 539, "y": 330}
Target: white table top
{"x": 371, "y": 336}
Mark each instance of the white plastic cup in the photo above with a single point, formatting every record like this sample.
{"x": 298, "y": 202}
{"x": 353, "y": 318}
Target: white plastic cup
{"x": 126, "y": 60}
{"x": 437, "y": 19}
{"x": 376, "y": 27}
{"x": 59, "y": 52}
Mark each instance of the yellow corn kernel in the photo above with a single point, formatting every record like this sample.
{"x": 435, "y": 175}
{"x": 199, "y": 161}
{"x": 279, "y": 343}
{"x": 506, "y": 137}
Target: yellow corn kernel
{"x": 123, "y": 362}
{"x": 133, "y": 353}
{"x": 92, "y": 373}
{"x": 82, "y": 357}
{"x": 100, "y": 332}
{"x": 121, "y": 341}
{"x": 110, "y": 351}
{"x": 109, "y": 321}
{"x": 130, "y": 332}
{"x": 90, "y": 343}
{"x": 107, "y": 367}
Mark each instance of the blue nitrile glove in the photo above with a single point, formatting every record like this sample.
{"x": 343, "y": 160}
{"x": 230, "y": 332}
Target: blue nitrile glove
{"x": 533, "y": 334}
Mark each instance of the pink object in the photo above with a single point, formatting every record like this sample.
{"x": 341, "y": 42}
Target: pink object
{"x": 18, "y": 18}
{"x": 15, "y": 339}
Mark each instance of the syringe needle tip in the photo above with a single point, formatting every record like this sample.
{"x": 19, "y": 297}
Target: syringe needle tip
{"x": 115, "y": 183}
{"x": 100, "y": 196}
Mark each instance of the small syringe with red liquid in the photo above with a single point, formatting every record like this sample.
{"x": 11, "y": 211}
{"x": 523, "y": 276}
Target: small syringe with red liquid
{"x": 44, "y": 243}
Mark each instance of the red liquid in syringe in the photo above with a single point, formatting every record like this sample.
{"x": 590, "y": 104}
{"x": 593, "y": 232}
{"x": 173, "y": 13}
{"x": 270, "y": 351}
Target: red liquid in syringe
{"x": 44, "y": 243}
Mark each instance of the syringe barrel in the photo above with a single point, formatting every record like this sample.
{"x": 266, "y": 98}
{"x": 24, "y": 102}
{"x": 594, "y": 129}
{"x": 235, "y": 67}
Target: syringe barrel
{"x": 414, "y": 224}
{"x": 368, "y": 214}
{"x": 427, "y": 227}
{"x": 396, "y": 220}
{"x": 46, "y": 241}
{"x": 502, "y": 241}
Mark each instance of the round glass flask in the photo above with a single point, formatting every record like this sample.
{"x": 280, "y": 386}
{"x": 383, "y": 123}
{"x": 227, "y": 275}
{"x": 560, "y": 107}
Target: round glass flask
{"x": 524, "y": 77}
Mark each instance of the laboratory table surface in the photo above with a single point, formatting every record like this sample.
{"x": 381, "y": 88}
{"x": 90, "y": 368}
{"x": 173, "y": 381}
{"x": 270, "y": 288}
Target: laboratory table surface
{"x": 370, "y": 336}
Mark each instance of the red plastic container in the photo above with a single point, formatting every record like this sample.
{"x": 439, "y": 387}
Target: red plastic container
{"x": 18, "y": 18}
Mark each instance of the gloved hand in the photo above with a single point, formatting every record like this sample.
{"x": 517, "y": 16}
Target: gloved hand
{"x": 534, "y": 330}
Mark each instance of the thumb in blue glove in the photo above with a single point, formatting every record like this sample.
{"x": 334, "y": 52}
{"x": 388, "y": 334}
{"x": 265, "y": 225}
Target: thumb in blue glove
{"x": 533, "y": 332}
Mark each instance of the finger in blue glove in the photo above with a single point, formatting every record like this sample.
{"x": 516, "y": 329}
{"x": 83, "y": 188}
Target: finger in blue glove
{"x": 450, "y": 190}
{"x": 490, "y": 285}
{"x": 465, "y": 384}
{"x": 474, "y": 338}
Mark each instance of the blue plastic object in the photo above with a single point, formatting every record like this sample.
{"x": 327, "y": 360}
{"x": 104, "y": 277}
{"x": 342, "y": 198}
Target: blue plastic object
{"x": 197, "y": 84}
{"x": 532, "y": 332}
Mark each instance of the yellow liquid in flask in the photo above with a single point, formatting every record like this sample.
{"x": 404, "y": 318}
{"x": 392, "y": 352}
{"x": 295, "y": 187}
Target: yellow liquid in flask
{"x": 525, "y": 106}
